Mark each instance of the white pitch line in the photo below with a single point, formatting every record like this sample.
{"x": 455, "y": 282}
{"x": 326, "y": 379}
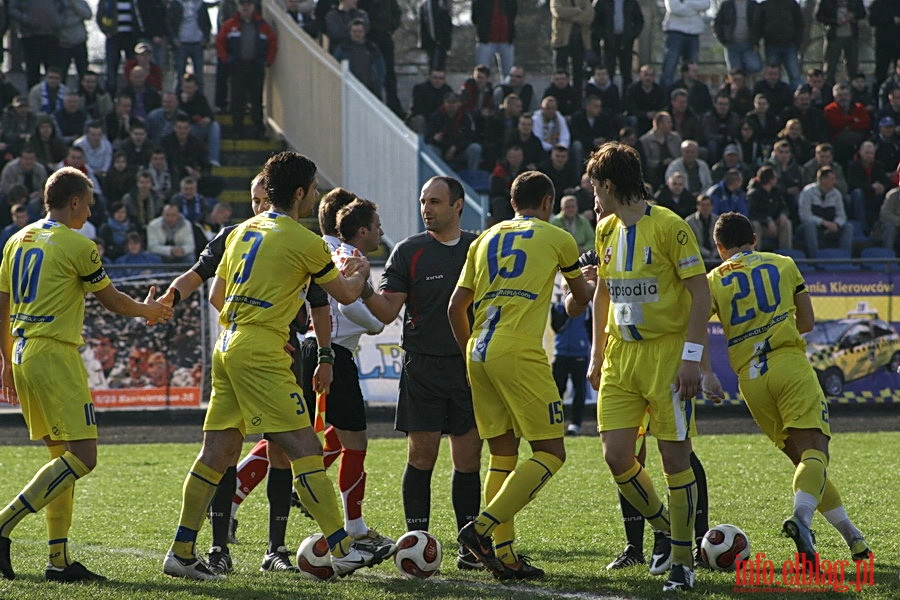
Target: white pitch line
{"x": 497, "y": 588}
{"x": 500, "y": 587}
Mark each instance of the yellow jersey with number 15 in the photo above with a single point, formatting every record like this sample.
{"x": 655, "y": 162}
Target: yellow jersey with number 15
{"x": 753, "y": 294}
{"x": 266, "y": 266}
{"x": 642, "y": 267}
{"x": 511, "y": 269}
{"x": 47, "y": 269}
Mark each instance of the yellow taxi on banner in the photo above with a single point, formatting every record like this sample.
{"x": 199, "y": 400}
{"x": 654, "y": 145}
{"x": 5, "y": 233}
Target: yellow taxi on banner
{"x": 844, "y": 350}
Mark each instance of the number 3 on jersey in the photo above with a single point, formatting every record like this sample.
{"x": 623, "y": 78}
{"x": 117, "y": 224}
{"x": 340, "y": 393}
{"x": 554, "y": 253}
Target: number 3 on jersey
{"x": 498, "y": 250}
{"x": 249, "y": 256}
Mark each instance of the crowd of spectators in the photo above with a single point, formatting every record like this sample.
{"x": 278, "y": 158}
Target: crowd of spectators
{"x": 811, "y": 160}
{"x": 811, "y": 157}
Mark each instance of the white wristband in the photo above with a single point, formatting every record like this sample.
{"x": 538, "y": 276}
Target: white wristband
{"x": 692, "y": 352}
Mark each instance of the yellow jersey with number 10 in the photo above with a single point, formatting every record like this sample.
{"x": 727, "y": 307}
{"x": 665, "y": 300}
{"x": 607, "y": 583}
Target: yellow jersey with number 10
{"x": 47, "y": 269}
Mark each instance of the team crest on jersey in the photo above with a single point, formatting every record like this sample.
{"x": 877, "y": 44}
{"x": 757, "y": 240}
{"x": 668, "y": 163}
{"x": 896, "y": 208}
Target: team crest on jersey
{"x": 681, "y": 237}
{"x": 608, "y": 255}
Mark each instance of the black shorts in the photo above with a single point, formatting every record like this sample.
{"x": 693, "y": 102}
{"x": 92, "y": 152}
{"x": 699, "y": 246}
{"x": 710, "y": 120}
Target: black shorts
{"x": 345, "y": 408}
{"x": 434, "y": 395}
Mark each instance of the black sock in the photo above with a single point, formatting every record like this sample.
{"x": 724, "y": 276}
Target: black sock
{"x": 417, "y": 498}
{"x": 220, "y": 508}
{"x": 634, "y": 524}
{"x": 278, "y": 492}
{"x": 466, "y": 492}
{"x": 701, "y": 523}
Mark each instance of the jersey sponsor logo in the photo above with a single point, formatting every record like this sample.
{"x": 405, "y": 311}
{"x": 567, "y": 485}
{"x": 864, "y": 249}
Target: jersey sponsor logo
{"x": 509, "y": 293}
{"x": 248, "y": 300}
{"x": 633, "y": 290}
{"x": 689, "y": 261}
{"x": 26, "y": 318}
{"x": 95, "y": 277}
{"x": 681, "y": 237}
{"x": 95, "y": 257}
{"x": 434, "y": 277}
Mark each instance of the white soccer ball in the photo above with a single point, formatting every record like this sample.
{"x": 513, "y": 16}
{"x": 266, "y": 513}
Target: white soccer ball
{"x": 314, "y": 558}
{"x": 418, "y": 555}
{"x": 723, "y": 546}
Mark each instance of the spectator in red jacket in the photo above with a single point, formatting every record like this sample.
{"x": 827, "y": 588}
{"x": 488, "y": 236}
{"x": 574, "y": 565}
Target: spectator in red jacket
{"x": 848, "y": 123}
{"x": 246, "y": 61}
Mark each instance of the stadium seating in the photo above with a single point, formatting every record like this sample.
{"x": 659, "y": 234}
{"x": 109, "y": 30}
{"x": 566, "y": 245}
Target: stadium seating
{"x": 879, "y": 252}
{"x": 835, "y": 254}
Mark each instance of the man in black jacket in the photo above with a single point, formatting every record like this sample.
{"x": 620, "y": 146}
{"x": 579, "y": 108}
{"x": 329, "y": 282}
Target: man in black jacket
{"x": 384, "y": 17}
{"x": 427, "y": 97}
{"x": 495, "y": 28}
{"x": 617, "y": 35}
{"x": 841, "y": 21}
{"x": 435, "y": 31}
{"x": 780, "y": 24}
{"x": 733, "y": 28}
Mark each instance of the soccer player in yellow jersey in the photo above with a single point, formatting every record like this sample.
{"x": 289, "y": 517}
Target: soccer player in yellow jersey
{"x": 508, "y": 277}
{"x": 650, "y": 310}
{"x": 764, "y": 306}
{"x": 46, "y": 271}
{"x": 258, "y": 289}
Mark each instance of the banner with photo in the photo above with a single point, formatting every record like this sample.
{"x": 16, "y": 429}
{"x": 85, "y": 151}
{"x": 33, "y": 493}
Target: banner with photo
{"x": 133, "y": 365}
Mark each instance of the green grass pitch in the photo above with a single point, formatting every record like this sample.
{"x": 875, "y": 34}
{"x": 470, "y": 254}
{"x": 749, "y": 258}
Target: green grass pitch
{"x": 127, "y": 511}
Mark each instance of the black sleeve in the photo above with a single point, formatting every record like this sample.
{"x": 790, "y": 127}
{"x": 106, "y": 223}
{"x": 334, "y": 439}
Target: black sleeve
{"x": 588, "y": 259}
{"x": 316, "y": 296}
{"x": 209, "y": 259}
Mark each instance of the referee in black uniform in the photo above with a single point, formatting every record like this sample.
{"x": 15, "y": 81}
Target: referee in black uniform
{"x": 435, "y": 398}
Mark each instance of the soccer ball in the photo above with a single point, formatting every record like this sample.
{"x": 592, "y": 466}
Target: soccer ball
{"x": 314, "y": 558}
{"x": 723, "y": 546}
{"x": 418, "y": 555}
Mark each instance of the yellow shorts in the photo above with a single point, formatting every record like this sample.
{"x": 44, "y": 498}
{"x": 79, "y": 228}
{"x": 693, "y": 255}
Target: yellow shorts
{"x": 786, "y": 396}
{"x": 515, "y": 390}
{"x": 52, "y": 386}
{"x": 638, "y": 375}
{"x": 253, "y": 387}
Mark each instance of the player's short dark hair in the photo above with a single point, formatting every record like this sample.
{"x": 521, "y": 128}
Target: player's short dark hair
{"x": 620, "y": 164}
{"x": 733, "y": 230}
{"x": 530, "y": 188}
{"x": 329, "y": 206}
{"x": 63, "y": 185}
{"x": 454, "y": 186}
{"x": 359, "y": 213}
{"x": 285, "y": 173}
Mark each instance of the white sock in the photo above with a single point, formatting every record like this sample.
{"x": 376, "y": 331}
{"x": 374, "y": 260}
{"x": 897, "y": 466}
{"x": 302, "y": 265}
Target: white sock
{"x": 840, "y": 521}
{"x": 804, "y": 506}
{"x": 356, "y": 527}
{"x": 234, "y": 509}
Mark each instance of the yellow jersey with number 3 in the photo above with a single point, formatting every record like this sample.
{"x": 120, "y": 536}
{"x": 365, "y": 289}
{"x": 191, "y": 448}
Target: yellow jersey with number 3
{"x": 642, "y": 267}
{"x": 753, "y": 294}
{"x": 266, "y": 266}
{"x": 47, "y": 269}
{"x": 511, "y": 269}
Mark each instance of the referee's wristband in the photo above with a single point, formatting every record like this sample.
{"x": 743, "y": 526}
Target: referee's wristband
{"x": 177, "y": 295}
{"x": 692, "y": 352}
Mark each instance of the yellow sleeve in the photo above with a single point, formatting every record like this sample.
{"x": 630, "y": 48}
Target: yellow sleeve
{"x": 89, "y": 266}
{"x": 467, "y": 275}
{"x": 685, "y": 251}
{"x": 568, "y": 256}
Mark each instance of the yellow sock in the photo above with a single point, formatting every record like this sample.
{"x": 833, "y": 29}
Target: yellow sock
{"x": 58, "y": 514}
{"x": 682, "y": 512}
{"x": 831, "y": 498}
{"x": 317, "y": 494}
{"x": 810, "y": 476}
{"x": 53, "y": 479}
{"x": 499, "y": 468}
{"x": 637, "y": 488}
{"x": 519, "y": 489}
{"x": 199, "y": 487}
